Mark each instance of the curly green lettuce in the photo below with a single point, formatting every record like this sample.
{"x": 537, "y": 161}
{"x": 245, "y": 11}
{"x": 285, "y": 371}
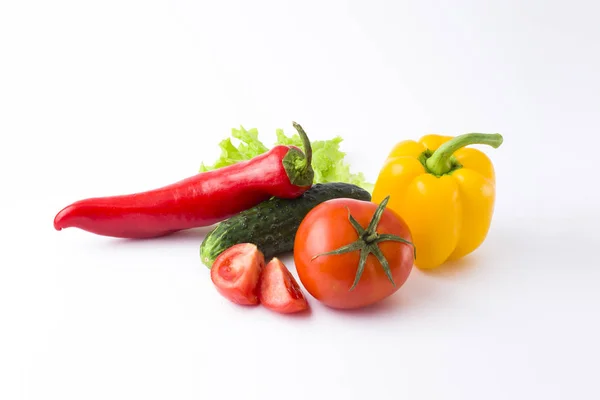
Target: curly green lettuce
{"x": 327, "y": 161}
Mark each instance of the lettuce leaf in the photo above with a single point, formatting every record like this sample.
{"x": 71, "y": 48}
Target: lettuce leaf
{"x": 328, "y": 160}
{"x": 248, "y": 148}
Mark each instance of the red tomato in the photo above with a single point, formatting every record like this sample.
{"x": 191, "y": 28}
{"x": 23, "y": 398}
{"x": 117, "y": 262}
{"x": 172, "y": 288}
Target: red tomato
{"x": 329, "y": 278}
{"x": 236, "y": 273}
{"x": 279, "y": 291}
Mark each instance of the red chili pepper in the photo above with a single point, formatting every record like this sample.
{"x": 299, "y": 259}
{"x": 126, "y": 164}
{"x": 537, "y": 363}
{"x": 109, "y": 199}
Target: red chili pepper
{"x": 200, "y": 200}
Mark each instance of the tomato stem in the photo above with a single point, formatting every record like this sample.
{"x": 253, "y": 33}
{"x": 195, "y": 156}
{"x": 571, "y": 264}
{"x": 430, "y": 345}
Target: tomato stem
{"x": 367, "y": 243}
{"x": 370, "y": 238}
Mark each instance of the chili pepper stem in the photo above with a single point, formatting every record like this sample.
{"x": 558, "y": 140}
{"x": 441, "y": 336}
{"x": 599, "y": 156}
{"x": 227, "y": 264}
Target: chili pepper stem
{"x": 298, "y": 164}
{"x": 440, "y": 161}
{"x": 305, "y": 143}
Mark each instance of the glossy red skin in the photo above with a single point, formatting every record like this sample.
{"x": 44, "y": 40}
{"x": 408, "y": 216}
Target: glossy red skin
{"x": 279, "y": 291}
{"x": 201, "y": 200}
{"x": 329, "y": 278}
{"x": 239, "y": 286}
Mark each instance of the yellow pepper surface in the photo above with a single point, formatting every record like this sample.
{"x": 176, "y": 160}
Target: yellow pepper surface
{"x": 444, "y": 191}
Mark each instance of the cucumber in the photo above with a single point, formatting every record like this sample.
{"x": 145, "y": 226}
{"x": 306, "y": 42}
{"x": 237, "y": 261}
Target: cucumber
{"x": 272, "y": 224}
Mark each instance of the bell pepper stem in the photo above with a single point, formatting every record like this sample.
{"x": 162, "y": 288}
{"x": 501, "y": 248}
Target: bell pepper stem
{"x": 440, "y": 161}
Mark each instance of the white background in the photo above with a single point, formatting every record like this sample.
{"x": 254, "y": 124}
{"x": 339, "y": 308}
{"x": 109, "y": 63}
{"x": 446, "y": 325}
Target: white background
{"x": 109, "y": 97}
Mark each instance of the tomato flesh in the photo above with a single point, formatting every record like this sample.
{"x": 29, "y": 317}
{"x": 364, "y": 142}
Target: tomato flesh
{"x": 329, "y": 278}
{"x": 236, "y": 273}
{"x": 279, "y": 291}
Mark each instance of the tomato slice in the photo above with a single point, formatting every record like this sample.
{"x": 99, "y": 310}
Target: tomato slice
{"x": 279, "y": 291}
{"x": 236, "y": 273}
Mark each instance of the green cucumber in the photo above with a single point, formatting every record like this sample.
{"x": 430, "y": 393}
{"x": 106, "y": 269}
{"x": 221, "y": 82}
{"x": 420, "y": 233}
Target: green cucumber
{"x": 272, "y": 224}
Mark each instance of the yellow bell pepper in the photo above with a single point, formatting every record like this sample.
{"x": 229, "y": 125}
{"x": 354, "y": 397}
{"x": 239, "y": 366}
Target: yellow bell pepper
{"x": 444, "y": 191}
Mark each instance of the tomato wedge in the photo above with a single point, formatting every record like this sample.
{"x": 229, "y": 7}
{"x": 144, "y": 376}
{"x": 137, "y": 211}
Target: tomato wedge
{"x": 279, "y": 291}
{"x": 236, "y": 273}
